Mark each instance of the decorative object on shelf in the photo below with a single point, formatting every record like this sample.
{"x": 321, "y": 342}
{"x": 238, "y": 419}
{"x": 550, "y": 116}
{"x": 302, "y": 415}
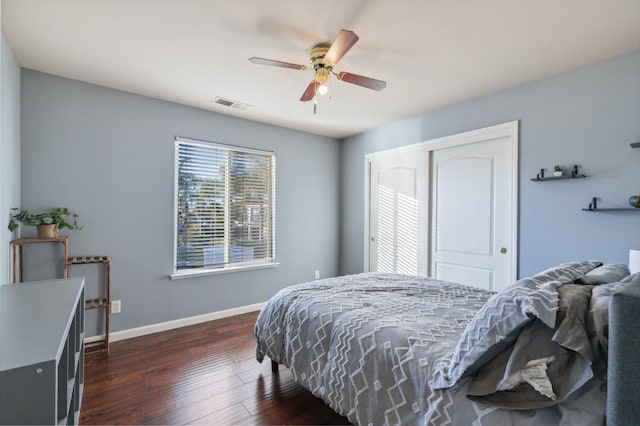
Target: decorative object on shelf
{"x": 557, "y": 170}
{"x": 574, "y": 172}
{"x": 634, "y": 201}
{"x": 47, "y": 223}
{"x": 574, "y": 175}
{"x": 634, "y": 261}
{"x": 593, "y": 207}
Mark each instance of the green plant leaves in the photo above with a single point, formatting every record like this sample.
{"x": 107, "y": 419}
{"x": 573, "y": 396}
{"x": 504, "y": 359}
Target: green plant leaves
{"x": 54, "y": 216}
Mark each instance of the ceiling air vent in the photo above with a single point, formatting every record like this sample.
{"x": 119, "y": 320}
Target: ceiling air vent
{"x": 230, "y": 103}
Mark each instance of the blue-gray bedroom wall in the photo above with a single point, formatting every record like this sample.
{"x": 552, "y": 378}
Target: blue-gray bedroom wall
{"x": 9, "y": 150}
{"x": 587, "y": 116}
{"x": 109, "y": 156}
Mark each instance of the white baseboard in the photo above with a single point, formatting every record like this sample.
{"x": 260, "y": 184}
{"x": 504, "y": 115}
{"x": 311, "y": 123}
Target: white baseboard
{"x": 170, "y": 325}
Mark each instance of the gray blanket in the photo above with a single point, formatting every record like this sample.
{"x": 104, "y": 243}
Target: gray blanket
{"x": 562, "y": 357}
{"x": 369, "y": 344}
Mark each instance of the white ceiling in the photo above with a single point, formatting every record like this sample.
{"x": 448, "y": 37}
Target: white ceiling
{"x": 432, "y": 53}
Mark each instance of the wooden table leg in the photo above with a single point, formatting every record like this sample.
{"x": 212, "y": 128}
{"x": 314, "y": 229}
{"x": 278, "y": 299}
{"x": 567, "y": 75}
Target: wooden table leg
{"x": 20, "y": 263}
{"x": 14, "y": 248}
{"x": 107, "y": 283}
{"x": 65, "y": 265}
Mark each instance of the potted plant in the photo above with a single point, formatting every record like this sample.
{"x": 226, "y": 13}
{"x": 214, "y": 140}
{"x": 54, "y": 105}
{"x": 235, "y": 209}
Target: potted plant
{"x": 557, "y": 171}
{"x": 47, "y": 223}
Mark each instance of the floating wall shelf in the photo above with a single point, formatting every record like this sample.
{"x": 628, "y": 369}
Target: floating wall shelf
{"x": 593, "y": 207}
{"x": 540, "y": 177}
{"x": 544, "y": 179}
{"x": 635, "y": 145}
{"x": 621, "y": 209}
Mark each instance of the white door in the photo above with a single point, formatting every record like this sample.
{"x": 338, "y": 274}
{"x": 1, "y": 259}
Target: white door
{"x": 398, "y": 234}
{"x": 473, "y": 209}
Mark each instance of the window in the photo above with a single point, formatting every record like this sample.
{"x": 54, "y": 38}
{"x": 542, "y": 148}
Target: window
{"x": 225, "y": 207}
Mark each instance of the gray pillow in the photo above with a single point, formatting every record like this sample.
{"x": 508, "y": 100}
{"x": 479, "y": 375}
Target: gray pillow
{"x": 605, "y": 274}
{"x": 497, "y": 324}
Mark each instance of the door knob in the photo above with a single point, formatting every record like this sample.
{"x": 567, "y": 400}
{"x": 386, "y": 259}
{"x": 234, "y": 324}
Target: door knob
{"x": 503, "y": 250}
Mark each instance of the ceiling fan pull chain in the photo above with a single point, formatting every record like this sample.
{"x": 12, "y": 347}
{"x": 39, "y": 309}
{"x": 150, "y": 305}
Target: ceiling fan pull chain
{"x": 315, "y": 105}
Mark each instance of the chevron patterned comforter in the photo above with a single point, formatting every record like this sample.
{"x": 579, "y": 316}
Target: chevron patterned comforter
{"x": 371, "y": 344}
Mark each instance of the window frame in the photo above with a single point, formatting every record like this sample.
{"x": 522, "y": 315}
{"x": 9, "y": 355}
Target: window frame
{"x": 228, "y": 267}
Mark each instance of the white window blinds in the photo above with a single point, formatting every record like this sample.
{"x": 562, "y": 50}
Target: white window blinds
{"x": 225, "y": 206}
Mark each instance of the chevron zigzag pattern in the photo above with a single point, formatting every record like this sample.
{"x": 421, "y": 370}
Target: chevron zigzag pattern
{"x": 367, "y": 343}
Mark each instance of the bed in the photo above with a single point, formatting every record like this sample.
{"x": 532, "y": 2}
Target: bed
{"x": 384, "y": 348}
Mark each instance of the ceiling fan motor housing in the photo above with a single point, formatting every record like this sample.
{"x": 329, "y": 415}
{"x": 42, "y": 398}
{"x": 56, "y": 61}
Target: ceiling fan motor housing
{"x": 317, "y": 54}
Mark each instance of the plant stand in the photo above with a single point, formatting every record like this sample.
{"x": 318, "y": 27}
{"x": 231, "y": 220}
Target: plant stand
{"x": 102, "y": 302}
{"x": 17, "y": 254}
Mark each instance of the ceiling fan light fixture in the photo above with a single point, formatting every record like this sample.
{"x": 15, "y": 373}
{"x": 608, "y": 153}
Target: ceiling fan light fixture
{"x": 322, "y": 89}
{"x": 322, "y": 78}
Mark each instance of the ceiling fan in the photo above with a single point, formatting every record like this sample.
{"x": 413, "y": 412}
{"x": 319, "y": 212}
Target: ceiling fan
{"x": 323, "y": 57}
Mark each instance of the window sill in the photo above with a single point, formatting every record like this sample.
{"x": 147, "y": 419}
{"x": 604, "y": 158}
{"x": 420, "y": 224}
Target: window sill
{"x": 203, "y": 272}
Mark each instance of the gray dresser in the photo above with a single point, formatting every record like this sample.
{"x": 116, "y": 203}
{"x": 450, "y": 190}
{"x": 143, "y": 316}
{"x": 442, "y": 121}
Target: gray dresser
{"x": 41, "y": 352}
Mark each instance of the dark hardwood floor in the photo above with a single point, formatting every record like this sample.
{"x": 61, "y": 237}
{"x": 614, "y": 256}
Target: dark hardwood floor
{"x": 201, "y": 374}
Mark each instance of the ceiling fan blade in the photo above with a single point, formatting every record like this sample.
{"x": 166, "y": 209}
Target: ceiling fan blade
{"x": 310, "y": 92}
{"x": 369, "y": 83}
{"x": 341, "y": 45}
{"x": 263, "y": 61}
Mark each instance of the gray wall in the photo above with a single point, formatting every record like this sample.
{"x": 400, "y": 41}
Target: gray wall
{"x": 587, "y": 116}
{"x": 9, "y": 150}
{"x": 109, "y": 156}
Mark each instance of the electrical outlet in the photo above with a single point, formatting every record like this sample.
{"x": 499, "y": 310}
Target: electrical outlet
{"x": 116, "y": 306}
{"x": 317, "y": 275}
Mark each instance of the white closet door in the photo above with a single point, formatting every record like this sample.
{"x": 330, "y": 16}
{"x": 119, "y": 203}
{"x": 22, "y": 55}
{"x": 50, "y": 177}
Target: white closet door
{"x": 473, "y": 214}
{"x": 398, "y": 212}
